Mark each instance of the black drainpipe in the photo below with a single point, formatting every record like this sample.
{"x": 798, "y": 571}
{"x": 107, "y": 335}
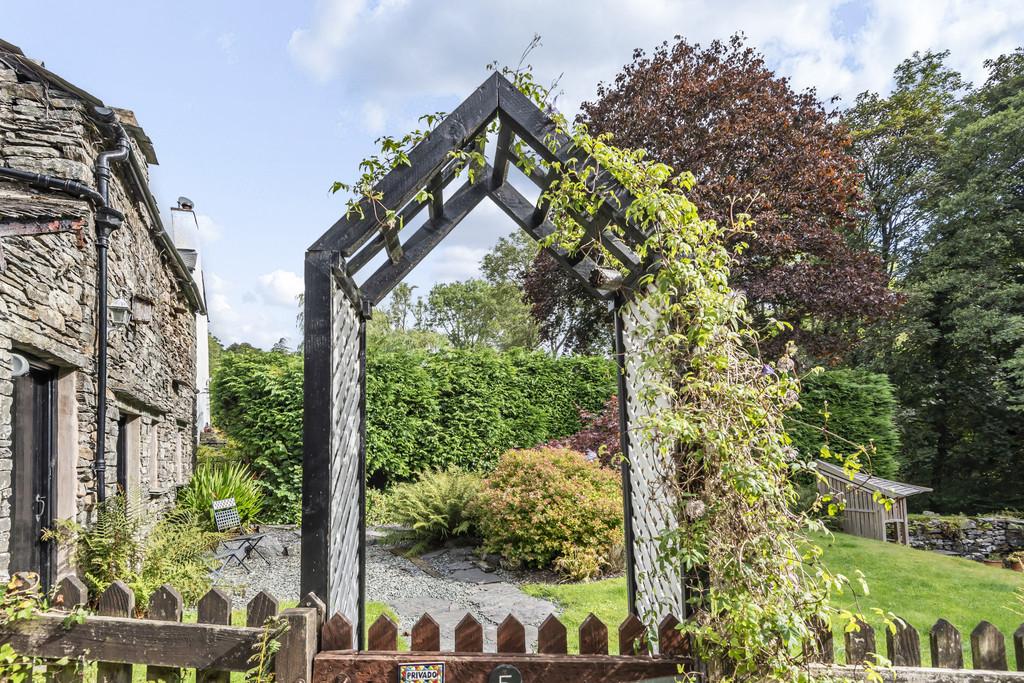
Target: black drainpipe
{"x": 107, "y": 221}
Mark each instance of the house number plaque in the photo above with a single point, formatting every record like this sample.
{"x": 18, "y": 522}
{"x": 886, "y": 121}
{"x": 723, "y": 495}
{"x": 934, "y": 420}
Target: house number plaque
{"x": 505, "y": 673}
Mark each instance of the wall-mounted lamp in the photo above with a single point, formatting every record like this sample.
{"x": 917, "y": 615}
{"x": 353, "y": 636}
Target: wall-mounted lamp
{"x": 120, "y": 313}
{"x": 19, "y": 365}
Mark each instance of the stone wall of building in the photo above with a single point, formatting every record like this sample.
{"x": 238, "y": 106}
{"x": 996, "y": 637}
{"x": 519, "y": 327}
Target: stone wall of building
{"x": 48, "y": 311}
{"x": 975, "y": 538}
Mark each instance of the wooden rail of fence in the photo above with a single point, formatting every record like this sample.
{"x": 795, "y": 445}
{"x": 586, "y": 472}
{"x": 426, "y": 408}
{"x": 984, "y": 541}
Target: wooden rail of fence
{"x": 903, "y": 646}
{"x": 469, "y": 663}
{"x": 117, "y": 640}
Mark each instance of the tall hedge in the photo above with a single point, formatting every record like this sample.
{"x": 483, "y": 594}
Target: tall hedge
{"x": 425, "y": 410}
{"x": 257, "y": 399}
{"x": 861, "y": 410}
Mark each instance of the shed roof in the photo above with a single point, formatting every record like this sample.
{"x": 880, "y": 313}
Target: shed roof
{"x": 888, "y": 487}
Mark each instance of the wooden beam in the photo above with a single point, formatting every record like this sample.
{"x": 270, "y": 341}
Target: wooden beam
{"x": 329, "y": 667}
{"x": 502, "y": 153}
{"x": 391, "y": 243}
{"x": 316, "y": 425}
{"x": 20, "y": 228}
{"x": 411, "y": 210}
{"x": 424, "y": 240}
{"x": 540, "y": 131}
{"x": 436, "y": 204}
{"x": 537, "y": 175}
{"x": 519, "y": 209}
{"x": 135, "y": 641}
{"x": 401, "y": 184}
{"x": 603, "y": 235}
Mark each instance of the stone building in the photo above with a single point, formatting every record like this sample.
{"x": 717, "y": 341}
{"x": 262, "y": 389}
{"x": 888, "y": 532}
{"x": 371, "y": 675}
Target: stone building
{"x": 51, "y": 315}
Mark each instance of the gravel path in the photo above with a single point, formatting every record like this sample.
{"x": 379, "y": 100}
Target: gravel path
{"x": 447, "y": 583}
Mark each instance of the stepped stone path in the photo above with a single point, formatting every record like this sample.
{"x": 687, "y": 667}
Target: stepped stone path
{"x": 447, "y": 583}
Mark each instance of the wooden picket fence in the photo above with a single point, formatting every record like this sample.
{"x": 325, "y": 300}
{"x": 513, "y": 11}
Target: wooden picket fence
{"x": 317, "y": 649}
{"x": 116, "y": 640}
{"x": 903, "y": 646}
{"x": 551, "y": 663}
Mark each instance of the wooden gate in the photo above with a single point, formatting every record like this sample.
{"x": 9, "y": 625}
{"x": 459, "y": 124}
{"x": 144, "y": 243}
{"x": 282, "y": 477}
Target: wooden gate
{"x": 511, "y": 663}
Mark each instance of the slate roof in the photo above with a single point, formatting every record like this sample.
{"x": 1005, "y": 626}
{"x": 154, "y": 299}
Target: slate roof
{"x": 888, "y": 487}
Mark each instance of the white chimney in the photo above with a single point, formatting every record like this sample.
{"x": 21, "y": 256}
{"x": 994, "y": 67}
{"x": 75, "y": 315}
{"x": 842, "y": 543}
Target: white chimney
{"x": 185, "y": 232}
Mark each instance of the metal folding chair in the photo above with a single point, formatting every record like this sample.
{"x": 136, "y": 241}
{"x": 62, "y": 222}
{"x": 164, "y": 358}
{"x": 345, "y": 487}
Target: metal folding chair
{"x": 226, "y": 517}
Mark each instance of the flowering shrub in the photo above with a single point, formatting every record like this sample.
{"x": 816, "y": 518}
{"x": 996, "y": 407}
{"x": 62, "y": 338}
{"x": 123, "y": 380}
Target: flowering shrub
{"x": 551, "y": 508}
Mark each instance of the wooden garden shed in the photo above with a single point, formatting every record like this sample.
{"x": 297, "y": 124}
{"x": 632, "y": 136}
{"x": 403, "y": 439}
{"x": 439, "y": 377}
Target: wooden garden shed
{"x": 864, "y": 516}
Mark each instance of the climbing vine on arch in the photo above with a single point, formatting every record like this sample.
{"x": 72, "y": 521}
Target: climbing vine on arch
{"x": 715, "y": 408}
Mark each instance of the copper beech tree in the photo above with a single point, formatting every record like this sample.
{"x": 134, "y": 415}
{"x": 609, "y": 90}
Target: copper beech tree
{"x": 754, "y": 146}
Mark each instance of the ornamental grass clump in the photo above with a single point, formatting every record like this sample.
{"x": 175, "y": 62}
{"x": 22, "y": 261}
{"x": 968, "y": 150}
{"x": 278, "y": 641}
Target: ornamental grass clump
{"x": 216, "y": 481}
{"x": 552, "y": 508}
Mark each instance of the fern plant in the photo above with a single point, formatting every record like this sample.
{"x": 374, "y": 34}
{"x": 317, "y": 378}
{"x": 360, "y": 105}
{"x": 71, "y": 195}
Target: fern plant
{"x": 216, "y": 481}
{"x": 175, "y": 550}
{"x": 437, "y": 507}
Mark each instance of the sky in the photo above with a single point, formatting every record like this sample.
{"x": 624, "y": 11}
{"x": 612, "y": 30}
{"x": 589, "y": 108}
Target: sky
{"x": 256, "y": 107}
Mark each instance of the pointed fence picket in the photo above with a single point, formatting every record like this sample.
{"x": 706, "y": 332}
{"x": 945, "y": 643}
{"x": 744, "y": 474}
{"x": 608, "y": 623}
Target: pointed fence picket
{"x": 469, "y": 662}
{"x": 902, "y": 643}
{"x": 118, "y": 640}
{"x": 988, "y": 646}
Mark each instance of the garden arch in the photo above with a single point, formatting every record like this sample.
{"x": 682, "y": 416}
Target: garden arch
{"x": 336, "y": 310}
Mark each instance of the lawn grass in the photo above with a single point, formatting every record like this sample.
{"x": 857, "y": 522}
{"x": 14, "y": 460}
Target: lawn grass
{"x": 916, "y": 585}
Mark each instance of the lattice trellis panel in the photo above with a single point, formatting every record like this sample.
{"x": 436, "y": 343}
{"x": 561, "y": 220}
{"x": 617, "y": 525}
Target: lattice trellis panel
{"x": 346, "y": 435}
{"x": 659, "y": 589}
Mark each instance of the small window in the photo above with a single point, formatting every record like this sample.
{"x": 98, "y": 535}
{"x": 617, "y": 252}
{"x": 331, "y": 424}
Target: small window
{"x": 122, "y": 454}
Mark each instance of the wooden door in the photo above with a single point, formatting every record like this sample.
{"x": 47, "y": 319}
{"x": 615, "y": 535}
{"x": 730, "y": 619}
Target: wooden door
{"x": 33, "y": 488}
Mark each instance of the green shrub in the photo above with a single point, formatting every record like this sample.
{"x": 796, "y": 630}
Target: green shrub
{"x": 176, "y": 550}
{"x": 862, "y": 410}
{"x": 426, "y": 411}
{"x": 214, "y": 481}
{"x": 552, "y": 508}
{"x": 379, "y": 507}
{"x": 439, "y": 506}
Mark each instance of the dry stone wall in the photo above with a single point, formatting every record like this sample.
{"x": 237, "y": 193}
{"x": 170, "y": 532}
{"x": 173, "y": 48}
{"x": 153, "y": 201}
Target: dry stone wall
{"x": 47, "y": 311}
{"x": 975, "y": 538}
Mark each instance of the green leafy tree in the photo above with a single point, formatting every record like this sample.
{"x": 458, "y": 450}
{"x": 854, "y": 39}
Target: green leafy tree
{"x": 476, "y": 312}
{"x": 216, "y": 352}
{"x": 958, "y": 354}
{"x": 899, "y": 141}
{"x": 400, "y": 306}
{"x": 510, "y": 259}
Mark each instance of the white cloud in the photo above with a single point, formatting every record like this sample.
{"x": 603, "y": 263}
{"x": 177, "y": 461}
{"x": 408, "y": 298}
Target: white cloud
{"x": 316, "y": 49}
{"x": 217, "y": 300}
{"x": 281, "y": 288}
{"x": 233, "y": 320}
{"x": 209, "y": 229}
{"x": 227, "y": 42}
{"x": 390, "y": 53}
{"x": 375, "y": 117}
{"x": 455, "y": 262}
